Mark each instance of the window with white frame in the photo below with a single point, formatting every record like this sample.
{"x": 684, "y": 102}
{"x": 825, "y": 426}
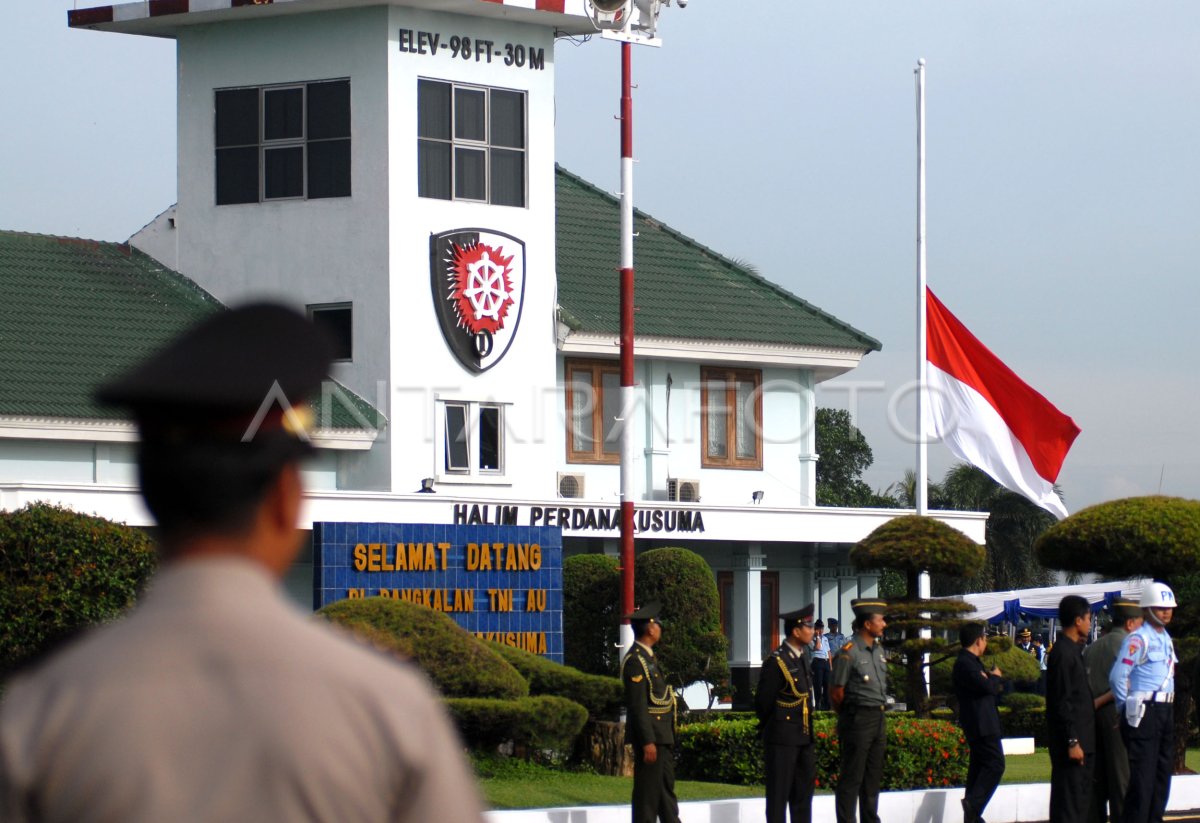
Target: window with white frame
{"x": 470, "y": 143}
{"x": 472, "y": 438}
{"x": 282, "y": 142}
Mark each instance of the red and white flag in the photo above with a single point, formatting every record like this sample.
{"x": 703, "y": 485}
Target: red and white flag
{"x": 988, "y": 416}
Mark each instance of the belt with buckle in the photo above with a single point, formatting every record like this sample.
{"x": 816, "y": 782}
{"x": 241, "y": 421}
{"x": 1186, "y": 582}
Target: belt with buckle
{"x": 1161, "y": 697}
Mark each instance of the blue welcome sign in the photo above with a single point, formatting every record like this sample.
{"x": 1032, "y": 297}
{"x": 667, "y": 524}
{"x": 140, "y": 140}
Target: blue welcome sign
{"x": 502, "y": 583}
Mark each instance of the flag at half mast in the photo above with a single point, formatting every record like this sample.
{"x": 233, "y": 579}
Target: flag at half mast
{"x": 988, "y": 416}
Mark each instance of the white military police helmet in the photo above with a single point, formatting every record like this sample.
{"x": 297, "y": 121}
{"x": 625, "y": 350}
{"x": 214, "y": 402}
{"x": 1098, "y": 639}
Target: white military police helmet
{"x": 1157, "y": 596}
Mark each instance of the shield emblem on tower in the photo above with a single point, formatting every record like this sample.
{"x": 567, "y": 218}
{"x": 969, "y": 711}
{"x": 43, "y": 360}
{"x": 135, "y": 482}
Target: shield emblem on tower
{"x": 478, "y": 281}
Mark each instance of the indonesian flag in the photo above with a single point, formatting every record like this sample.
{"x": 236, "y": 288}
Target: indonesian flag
{"x": 988, "y": 416}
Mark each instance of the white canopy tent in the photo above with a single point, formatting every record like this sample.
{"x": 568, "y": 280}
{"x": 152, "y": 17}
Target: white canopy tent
{"x": 1020, "y": 604}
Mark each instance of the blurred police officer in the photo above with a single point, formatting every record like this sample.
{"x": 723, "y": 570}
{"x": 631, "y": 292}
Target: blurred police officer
{"x": 976, "y": 689}
{"x": 820, "y": 654}
{"x": 650, "y": 722}
{"x": 1070, "y": 715}
{"x": 1111, "y": 778}
{"x": 859, "y": 696}
{"x": 216, "y": 699}
{"x": 784, "y": 705}
{"x": 835, "y": 637}
{"x": 1143, "y": 687}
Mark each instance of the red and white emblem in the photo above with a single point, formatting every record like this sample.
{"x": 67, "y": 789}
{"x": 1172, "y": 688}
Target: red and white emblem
{"x": 482, "y": 287}
{"x": 478, "y": 283}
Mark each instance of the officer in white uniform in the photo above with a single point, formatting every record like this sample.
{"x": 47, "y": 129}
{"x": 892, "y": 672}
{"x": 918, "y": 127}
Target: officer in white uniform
{"x": 1143, "y": 687}
{"x": 215, "y": 699}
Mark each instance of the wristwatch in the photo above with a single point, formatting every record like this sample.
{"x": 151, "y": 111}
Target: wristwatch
{"x": 1072, "y": 743}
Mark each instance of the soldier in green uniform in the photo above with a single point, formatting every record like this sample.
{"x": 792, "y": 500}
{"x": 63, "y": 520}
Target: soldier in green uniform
{"x": 784, "y": 705}
{"x": 859, "y": 696}
{"x": 649, "y": 722}
{"x": 1111, "y": 779}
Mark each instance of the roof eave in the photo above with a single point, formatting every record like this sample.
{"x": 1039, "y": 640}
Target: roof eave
{"x": 164, "y": 18}
{"x": 825, "y": 362}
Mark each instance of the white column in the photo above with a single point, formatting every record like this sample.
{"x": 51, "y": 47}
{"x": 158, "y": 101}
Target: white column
{"x": 848, "y": 586}
{"x": 747, "y": 607}
{"x": 657, "y": 453}
{"x": 828, "y": 595}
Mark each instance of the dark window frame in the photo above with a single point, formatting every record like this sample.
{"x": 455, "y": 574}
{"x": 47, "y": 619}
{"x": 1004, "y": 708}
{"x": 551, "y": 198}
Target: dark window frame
{"x": 728, "y": 406}
{"x": 595, "y": 370}
{"x": 315, "y": 309}
{"x": 443, "y": 140}
{"x": 281, "y": 167}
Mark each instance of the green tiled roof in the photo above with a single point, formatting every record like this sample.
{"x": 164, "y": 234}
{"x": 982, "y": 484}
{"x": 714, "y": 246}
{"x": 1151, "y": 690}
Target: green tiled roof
{"x": 682, "y": 289}
{"x": 74, "y": 313}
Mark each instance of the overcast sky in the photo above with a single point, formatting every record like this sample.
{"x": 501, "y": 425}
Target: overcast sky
{"x": 1063, "y": 183}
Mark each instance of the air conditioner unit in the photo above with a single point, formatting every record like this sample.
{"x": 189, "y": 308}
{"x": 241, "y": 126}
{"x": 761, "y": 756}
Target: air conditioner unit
{"x": 570, "y": 484}
{"x": 683, "y": 491}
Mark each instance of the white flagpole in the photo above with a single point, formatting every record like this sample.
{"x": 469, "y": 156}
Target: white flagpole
{"x": 924, "y": 590}
{"x": 922, "y": 489}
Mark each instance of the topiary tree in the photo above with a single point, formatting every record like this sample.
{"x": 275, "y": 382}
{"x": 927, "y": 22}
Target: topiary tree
{"x": 61, "y": 571}
{"x": 591, "y": 613}
{"x": 692, "y": 647}
{"x": 1154, "y": 536}
{"x": 911, "y": 545}
{"x": 459, "y": 664}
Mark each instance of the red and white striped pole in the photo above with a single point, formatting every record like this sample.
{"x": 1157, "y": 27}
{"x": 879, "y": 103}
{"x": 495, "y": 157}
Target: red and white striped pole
{"x": 627, "y": 395}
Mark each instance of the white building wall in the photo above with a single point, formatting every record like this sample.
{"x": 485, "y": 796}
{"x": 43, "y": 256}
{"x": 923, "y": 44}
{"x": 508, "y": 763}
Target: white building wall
{"x": 296, "y": 251}
{"x": 424, "y": 370}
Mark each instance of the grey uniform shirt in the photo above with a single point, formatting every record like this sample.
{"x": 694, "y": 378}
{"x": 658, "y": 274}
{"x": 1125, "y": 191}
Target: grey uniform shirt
{"x": 861, "y": 668}
{"x": 216, "y": 700}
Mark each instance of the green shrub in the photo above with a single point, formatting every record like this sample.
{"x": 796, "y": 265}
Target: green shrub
{"x": 591, "y": 613}
{"x": 61, "y": 571}
{"x": 1018, "y": 666}
{"x": 543, "y": 722}
{"x": 713, "y": 716}
{"x": 920, "y": 753}
{"x": 692, "y": 646}
{"x": 1029, "y": 723}
{"x": 459, "y": 664}
{"x": 601, "y": 696}
{"x": 1024, "y": 701}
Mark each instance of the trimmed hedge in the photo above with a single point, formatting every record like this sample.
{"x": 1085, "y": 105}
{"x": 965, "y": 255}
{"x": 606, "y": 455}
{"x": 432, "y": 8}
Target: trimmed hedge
{"x": 591, "y": 613}
{"x": 61, "y": 571}
{"x": 543, "y": 722}
{"x": 920, "y": 753}
{"x": 459, "y": 664}
{"x": 1027, "y": 723}
{"x": 600, "y": 696}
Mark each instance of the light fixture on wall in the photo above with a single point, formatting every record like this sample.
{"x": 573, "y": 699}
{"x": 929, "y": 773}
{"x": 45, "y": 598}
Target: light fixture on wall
{"x": 426, "y": 486}
{"x": 756, "y": 497}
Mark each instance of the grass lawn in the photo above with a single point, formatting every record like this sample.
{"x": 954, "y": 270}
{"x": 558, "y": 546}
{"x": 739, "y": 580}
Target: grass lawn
{"x": 517, "y": 785}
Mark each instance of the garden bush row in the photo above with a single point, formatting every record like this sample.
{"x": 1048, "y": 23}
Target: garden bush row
{"x": 495, "y": 693}
{"x": 920, "y": 753}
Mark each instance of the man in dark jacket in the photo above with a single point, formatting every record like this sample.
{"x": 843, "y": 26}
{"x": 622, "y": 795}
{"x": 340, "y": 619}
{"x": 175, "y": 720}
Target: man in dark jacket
{"x": 1112, "y": 761}
{"x": 976, "y": 690}
{"x": 650, "y": 722}
{"x": 1070, "y": 715}
{"x": 784, "y": 705}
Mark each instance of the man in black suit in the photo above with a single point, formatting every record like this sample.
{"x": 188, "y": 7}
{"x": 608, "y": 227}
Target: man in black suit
{"x": 976, "y": 689}
{"x": 1070, "y": 715}
{"x": 784, "y": 705}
